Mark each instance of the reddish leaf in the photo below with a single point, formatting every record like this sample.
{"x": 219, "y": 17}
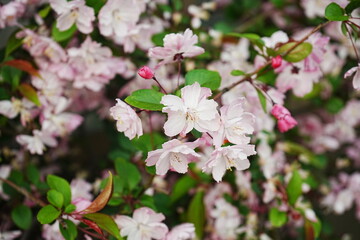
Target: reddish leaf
{"x": 105, "y": 222}
{"x": 23, "y": 66}
{"x": 103, "y": 198}
{"x": 309, "y": 231}
{"x": 92, "y": 225}
{"x": 30, "y": 93}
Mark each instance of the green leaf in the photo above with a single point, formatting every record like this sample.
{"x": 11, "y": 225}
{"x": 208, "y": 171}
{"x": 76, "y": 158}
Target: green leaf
{"x": 293, "y": 188}
{"x": 334, "y": 12}
{"x": 60, "y": 36}
{"x": 61, "y": 185}
{"x": 181, "y": 187}
{"x": 297, "y": 54}
{"x": 43, "y": 13}
{"x": 196, "y": 214}
{"x": 33, "y": 174}
{"x": 262, "y": 99}
{"x": 68, "y": 229}
{"x": 128, "y": 173}
{"x": 250, "y": 36}
{"x": 148, "y": 99}
{"x": 334, "y": 105}
{"x": 353, "y": 4}
{"x": 11, "y": 75}
{"x": 96, "y": 4}
{"x": 205, "y": 78}
{"x": 48, "y": 214}
{"x": 70, "y": 208}
{"x": 22, "y": 216}
{"x": 30, "y": 93}
{"x": 317, "y": 227}
{"x": 12, "y": 44}
{"x": 55, "y": 198}
{"x": 105, "y": 222}
{"x": 237, "y": 73}
{"x": 277, "y": 218}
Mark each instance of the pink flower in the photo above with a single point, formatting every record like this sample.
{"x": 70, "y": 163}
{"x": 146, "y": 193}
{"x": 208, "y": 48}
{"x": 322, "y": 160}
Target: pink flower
{"x": 192, "y": 110}
{"x": 276, "y": 61}
{"x": 356, "y": 79}
{"x": 116, "y": 17}
{"x": 224, "y": 158}
{"x": 127, "y": 119}
{"x": 36, "y": 143}
{"x": 146, "y": 72}
{"x": 285, "y": 120}
{"x": 145, "y": 225}
{"x": 174, "y": 155}
{"x": 185, "y": 231}
{"x": 12, "y": 108}
{"x": 176, "y": 47}
{"x": 9, "y": 13}
{"x": 73, "y": 12}
{"x": 235, "y": 124}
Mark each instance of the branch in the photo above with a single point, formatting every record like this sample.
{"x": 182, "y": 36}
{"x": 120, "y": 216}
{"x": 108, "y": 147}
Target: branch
{"x": 249, "y": 76}
{"x": 24, "y": 192}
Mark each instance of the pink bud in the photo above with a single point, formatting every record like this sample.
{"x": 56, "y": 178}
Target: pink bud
{"x": 146, "y": 72}
{"x": 276, "y": 61}
{"x": 285, "y": 120}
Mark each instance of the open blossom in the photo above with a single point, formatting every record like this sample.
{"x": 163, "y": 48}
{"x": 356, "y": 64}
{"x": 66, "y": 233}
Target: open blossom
{"x": 36, "y": 143}
{"x": 192, "y": 110}
{"x": 285, "y": 120}
{"x": 356, "y": 79}
{"x": 9, "y": 13}
{"x": 145, "y": 225}
{"x": 224, "y": 158}
{"x": 235, "y": 124}
{"x": 176, "y": 47}
{"x": 127, "y": 120}
{"x": 117, "y": 16}
{"x": 73, "y": 12}
{"x": 185, "y": 231}
{"x": 12, "y": 108}
{"x": 175, "y": 155}
{"x": 276, "y": 38}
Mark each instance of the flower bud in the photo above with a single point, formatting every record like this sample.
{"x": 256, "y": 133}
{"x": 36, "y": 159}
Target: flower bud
{"x": 285, "y": 120}
{"x": 146, "y": 72}
{"x": 276, "y": 61}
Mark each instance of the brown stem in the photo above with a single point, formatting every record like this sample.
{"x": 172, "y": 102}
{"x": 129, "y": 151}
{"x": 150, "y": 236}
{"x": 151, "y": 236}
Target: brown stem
{"x": 91, "y": 234}
{"x": 154, "y": 78}
{"x": 24, "y": 192}
{"x": 352, "y": 43}
{"x": 249, "y": 76}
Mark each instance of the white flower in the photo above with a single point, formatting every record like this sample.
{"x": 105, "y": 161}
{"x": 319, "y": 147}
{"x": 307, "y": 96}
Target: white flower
{"x": 224, "y": 158}
{"x": 192, "y": 110}
{"x": 175, "y": 155}
{"x": 235, "y": 124}
{"x": 127, "y": 120}
{"x": 176, "y": 47}
{"x": 185, "y": 231}
{"x": 73, "y": 12}
{"x": 356, "y": 79}
{"x": 36, "y": 143}
{"x": 144, "y": 225}
{"x": 12, "y": 108}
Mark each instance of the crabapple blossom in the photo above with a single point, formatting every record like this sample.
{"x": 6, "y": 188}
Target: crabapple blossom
{"x": 145, "y": 225}
{"x": 73, "y": 12}
{"x": 356, "y": 79}
{"x": 285, "y": 120}
{"x": 12, "y": 108}
{"x": 276, "y": 38}
{"x": 146, "y": 72}
{"x": 175, "y": 155}
{"x": 127, "y": 120}
{"x": 10, "y": 235}
{"x": 224, "y": 158}
{"x": 192, "y": 110}
{"x": 236, "y": 124}
{"x": 185, "y": 231}
{"x": 10, "y": 12}
{"x": 176, "y": 47}
{"x": 36, "y": 143}
{"x": 4, "y": 173}
{"x": 117, "y": 16}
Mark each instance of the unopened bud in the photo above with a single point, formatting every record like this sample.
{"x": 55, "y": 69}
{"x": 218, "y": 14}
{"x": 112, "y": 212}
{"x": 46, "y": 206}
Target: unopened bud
{"x": 276, "y": 61}
{"x": 146, "y": 72}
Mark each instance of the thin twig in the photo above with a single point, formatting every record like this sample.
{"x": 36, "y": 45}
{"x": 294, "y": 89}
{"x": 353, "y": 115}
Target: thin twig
{"x": 24, "y": 192}
{"x": 352, "y": 43}
{"x": 249, "y": 76}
